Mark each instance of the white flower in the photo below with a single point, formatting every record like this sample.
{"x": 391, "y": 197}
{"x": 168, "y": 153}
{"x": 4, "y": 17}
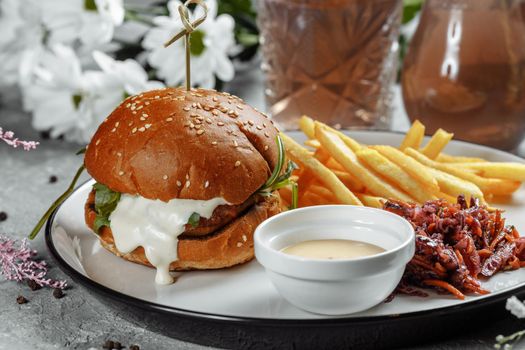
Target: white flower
{"x": 129, "y": 73}
{"x": 516, "y": 307}
{"x": 211, "y": 43}
{"x": 21, "y": 28}
{"x": 73, "y": 103}
{"x": 91, "y": 21}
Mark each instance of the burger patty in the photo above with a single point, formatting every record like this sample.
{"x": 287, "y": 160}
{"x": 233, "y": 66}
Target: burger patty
{"x": 221, "y": 216}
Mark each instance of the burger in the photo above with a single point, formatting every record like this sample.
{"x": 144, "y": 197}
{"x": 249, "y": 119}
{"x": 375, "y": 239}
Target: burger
{"x": 182, "y": 179}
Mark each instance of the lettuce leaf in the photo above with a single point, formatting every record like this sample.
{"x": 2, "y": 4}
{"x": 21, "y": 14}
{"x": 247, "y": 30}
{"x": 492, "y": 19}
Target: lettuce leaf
{"x": 106, "y": 201}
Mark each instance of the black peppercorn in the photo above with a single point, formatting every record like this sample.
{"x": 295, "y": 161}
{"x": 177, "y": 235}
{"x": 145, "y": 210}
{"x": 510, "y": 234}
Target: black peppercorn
{"x": 3, "y": 216}
{"x": 57, "y": 293}
{"x": 134, "y": 347}
{"x": 117, "y": 345}
{"x": 53, "y": 179}
{"x": 33, "y": 285}
{"x": 21, "y": 300}
{"x": 108, "y": 344}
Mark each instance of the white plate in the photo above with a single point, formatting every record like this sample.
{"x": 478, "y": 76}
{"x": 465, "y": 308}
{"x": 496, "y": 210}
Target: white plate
{"x": 245, "y": 291}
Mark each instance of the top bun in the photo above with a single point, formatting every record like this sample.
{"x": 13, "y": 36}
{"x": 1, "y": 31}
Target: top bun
{"x": 173, "y": 143}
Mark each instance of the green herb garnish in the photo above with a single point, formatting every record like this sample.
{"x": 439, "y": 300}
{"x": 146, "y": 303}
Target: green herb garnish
{"x": 106, "y": 201}
{"x": 56, "y": 203}
{"x": 194, "y": 220}
{"x": 278, "y": 180}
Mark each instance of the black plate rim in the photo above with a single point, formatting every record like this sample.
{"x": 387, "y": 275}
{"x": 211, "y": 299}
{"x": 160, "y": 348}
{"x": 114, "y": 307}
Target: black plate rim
{"x": 255, "y": 321}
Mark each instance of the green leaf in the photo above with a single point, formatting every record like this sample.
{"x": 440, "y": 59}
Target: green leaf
{"x": 197, "y": 46}
{"x": 90, "y": 5}
{"x": 194, "y": 220}
{"x": 76, "y": 100}
{"x": 410, "y": 9}
{"x": 106, "y": 201}
{"x": 99, "y": 222}
{"x": 81, "y": 151}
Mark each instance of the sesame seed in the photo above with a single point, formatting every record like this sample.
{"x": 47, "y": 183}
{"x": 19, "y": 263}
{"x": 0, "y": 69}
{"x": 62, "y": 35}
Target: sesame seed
{"x": 206, "y": 108}
{"x": 214, "y": 143}
{"x": 200, "y": 132}
{"x": 198, "y": 126}
{"x": 231, "y": 111}
{"x": 194, "y": 105}
{"x": 208, "y": 120}
{"x": 134, "y": 97}
{"x": 157, "y": 97}
{"x": 266, "y": 147}
{"x": 145, "y": 115}
{"x": 121, "y": 173}
{"x": 215, "y": 112}
{"x": 235, "y": 144}
{"x": 264, "y": 125}
{"x": 134, "y": 112}
{"x": 250, "y": 122}
{"x": 139, "y": 108}
{"x": 197, "y": 121}
{"x": 187, "y": 176}
{"x": 239, "y": 244}
{"x": 199, "y": 106}
{"x": 133, "y": 107}
{"x": 119, "y": 154}
{"x": 215, "y": 99}
{"x": 117, "y": 124}
{"x": 220, "y": 123}
{"x": 188, "y": 183}
{"x": 240, "y": 107}
{"x": 165, "y": 177}
{"x": 244, "y": 238}
{"x": 169, "y": 119}
{"x": 130, "y": 123}
{"x": 142, "y": 118}
{"x": 128, "y": 105}
{"x": 192, "y": 125}
{"x": 114, "y": 129}
{"x": 147, "y": 126}
{"x": 96, "y": 143}
{"x": 134, "y": 130}
{"x": 206, "y": 184}
{"x": 266, "y": 134}
{"x": 199, "y": 117}
{"x": 179, "y": 183}
{"x": 147, "y": 103}
{"x": 187, "y": 109}
{"x": 237, "y": 163}
{"x": 142, "y": 129}
{"x": 259, "y": 127}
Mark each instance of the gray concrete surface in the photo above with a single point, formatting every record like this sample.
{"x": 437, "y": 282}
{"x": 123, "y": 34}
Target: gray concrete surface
{"x": 81, "y": 320}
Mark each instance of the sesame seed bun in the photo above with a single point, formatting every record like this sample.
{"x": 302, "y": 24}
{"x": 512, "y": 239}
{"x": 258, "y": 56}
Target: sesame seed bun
{"x": 231, "y": 245}
{"x": 173, "y": 143}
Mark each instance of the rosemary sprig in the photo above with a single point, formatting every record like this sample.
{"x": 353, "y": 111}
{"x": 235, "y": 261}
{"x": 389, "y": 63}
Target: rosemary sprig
{"x": 278, "y": 180}
{"x": 56, "y": 203}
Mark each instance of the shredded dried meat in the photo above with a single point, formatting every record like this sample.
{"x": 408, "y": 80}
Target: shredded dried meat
{"x": 456, "y": 244}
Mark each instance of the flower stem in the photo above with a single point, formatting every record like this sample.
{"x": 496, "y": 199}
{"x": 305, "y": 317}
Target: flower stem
{"x": 56, "y": 203}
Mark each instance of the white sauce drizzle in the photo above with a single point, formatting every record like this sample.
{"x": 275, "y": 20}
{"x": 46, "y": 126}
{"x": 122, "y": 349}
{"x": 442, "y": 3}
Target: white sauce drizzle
{"x": 155, "y": 225}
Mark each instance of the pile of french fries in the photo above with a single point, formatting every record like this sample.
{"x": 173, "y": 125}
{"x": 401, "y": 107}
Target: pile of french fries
{"x": 336, "y": 169}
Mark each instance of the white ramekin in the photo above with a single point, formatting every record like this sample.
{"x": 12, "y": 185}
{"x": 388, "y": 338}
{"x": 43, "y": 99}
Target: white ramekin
{"x": 335, "y": 287}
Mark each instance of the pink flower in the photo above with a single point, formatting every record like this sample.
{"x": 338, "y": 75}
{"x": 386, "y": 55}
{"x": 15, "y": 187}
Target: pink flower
{"x": 9, "y": 138}
{"x": 17, "y": 264}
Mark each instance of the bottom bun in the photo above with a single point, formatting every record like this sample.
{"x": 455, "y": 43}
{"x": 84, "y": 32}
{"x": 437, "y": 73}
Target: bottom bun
{"x": 231, "y": 245}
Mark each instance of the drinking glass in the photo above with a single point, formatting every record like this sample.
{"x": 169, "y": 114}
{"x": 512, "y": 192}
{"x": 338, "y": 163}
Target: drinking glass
{"x": 334, "y": 60}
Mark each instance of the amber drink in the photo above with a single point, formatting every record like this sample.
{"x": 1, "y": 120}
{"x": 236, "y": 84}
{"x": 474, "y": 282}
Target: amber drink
{"x": 465, "y": 71}
{"x": 334, "y": 60}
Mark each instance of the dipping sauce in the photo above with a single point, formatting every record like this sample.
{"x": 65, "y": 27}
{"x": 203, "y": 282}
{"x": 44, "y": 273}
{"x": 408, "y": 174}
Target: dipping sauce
{"x": 332, "y": 249}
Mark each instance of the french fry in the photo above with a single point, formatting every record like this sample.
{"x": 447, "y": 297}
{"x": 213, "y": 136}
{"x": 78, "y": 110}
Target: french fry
{"x": 312, "y": 143}
{"x": 351, "y": 182}
{"x": 347, "y": 158}
{"x": 333, "y": 165}
{"x": 446, "y": 158}
{"x": 311, "y": 199}
{"x": 286, "y": 194}
{"x": 414, "y": 136}
{"x": 350, "y": 142}
{"x": 306, "y": 125}
{"x": 322, "y": 155}
{"x": 510, "y": 171}
{"x": 394, "y": 174}
{"x": 323, "y": 192}
{"x": 436, "y": 144}
{"x": 487, "y": 185}
{"x": 411, "y": 166}
{"x": 327, "y": 177}
{"x": 371, "y": 201}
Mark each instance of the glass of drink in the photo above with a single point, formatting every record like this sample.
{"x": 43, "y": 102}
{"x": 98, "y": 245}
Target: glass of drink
{"x": 465, "y": 70}
{"x": 334, "y": 60}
